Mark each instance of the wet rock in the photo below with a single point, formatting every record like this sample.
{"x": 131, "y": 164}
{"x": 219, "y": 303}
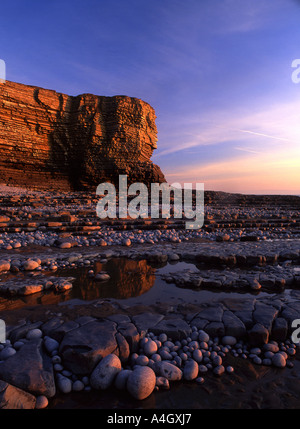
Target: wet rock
{"x": 279, "y": 360}
{"x": 121, "y": 378}
{"x": 190, "y": 370}
{"x": 265, "y": 315}
{"x": 64, "y": 384}
{"x": 4, "y": 266}
{"x": 82, "y": 348}
{"x": 229, "y": 340}
{"x": 168, "y": 370}
{"x": 105, "y": 372}
{"x": 13, "y": 398}
{"x": 258, "y": 334}
{"x": 141, "y": 382}
{"x": 30, "y": 369}
{"x": 30, "y": 265}
{"x": 41, "y": 402}
{"x": 173, "y": 328}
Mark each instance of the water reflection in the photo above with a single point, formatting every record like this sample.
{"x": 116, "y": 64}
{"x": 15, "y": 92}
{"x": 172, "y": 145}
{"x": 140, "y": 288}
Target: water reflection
{"x": 128, "y": 278}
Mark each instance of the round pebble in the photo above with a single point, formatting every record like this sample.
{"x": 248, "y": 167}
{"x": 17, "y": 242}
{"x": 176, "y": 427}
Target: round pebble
{"x": 203, "y": 336}
{"x": 141, "y": 382}
{"x": 34, "y": 334}
{"x": 219, "y": 370}
{"x": 150, "y": 348}
{"x": 279, "y": 360}
{"x": 41, "y": 402}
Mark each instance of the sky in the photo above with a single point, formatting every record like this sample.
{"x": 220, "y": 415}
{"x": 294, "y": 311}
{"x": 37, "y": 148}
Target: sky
{"x": 217, "y": 72}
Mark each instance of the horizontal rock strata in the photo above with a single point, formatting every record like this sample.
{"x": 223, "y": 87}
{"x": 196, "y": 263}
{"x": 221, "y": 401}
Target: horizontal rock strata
{"x": 52, "y": 140}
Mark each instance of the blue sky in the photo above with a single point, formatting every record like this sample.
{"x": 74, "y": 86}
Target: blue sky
{"x": 217, "y": 72}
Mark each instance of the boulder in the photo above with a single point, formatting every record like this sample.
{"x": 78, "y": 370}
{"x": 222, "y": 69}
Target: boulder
{"x": 13, "y": 398}
{"x": 30, "y": 369}
{"x": 83, "y": 347}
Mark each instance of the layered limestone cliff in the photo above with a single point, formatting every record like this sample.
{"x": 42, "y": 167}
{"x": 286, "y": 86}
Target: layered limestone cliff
{"x": 51, "y": 140}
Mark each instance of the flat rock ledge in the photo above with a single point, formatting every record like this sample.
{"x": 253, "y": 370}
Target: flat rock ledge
{"x": 42, "y": 358}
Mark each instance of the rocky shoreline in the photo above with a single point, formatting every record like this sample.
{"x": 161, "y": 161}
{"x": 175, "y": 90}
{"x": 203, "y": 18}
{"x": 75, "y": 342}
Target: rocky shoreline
{"x": 60, "y": 349}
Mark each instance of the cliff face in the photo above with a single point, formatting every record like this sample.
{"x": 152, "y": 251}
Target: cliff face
{"x": 51, "y": 140}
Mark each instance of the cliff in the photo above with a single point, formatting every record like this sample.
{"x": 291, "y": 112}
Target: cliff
{"x": 50, "y": 140}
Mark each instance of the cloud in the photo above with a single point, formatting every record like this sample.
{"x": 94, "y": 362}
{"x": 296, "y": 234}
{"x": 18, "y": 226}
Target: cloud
{"x": 267, "y": 129}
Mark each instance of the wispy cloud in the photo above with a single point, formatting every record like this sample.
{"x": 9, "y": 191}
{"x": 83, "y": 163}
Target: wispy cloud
{"x": 250, "y": 131}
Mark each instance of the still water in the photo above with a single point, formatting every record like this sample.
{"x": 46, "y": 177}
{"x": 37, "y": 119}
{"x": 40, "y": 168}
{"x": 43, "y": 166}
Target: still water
{"x": 131, "y": 282}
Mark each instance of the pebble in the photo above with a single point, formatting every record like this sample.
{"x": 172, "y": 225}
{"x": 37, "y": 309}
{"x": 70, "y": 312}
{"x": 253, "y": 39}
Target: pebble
{"x": 34, "y": 334}
{"x": 197, "y": 355}
{"x": 121, "y": 379}
{"x": 279, "y": 360}
{"x": 229, "y": 369}
{"x": 229, "y": 340}
{"x": 30, "y": 265}
{"x": 141, "y": 382}
{"x": 203, "y": 337}
{"x": 41, "y": 402}
{"x": 142, "y": 360}
{"x": 105, "y": 372}
{"x": 51, "y": 344}
{"x": 7, "y": 352}
{"x": 78, "y": 386}
{"x": 150, "y": 348}
{"x": 190, "y": 370}
{"x": 219, "y": 370}
{"x": 162, "y": 383}
{"x": 64, "y": 384}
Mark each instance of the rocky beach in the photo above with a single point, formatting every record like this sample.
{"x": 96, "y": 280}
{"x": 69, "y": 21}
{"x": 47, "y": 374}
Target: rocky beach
{"x": 144, "y": 313}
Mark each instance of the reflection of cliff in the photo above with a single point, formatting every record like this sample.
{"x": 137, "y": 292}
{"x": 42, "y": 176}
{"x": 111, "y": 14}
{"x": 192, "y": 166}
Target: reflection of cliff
{"x": 128, "y": 278}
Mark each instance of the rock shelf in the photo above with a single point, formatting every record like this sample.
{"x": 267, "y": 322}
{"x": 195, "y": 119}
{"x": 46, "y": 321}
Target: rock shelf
{"x": 250, "y": 250}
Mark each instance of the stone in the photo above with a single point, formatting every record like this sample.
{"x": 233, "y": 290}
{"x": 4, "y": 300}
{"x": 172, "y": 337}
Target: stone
{"x": 64, "y": 384}
{"x": 102, "y": 277}
{"x": 162, "y": 382}
{"x": 174, "y": 328}
{"x": 123, "y": 347}
{"x": 197, "y": 355}
{"x": 4, "y": 266}
{"x": 265, "y": 314}
{"x": 51, "y": 345}
{"x": 203, "y": 336}
{"x": 13, "y": 398}
{"x": 190, "y": 370}
{"x": 215, "y": 329}
{"x": 146, "y": 321}
{"x": 121, "y": 379}
{"x": 78, "y": 386}
{"x": 131, "y": 335}
{"x": 30, "y": 265}
{"x": 229, "y": 340}
{"x": 233, "y": 325}
{"x": 219, "y": 370}
{"x": 279, "y": 329}
{"x": 41, "y": 402}
{"x": 168, "y": 370}
{"x": 258, "y": 334}
{"x": 105, "y": 372}
{"x": 141, "y": 382}
{"x": 83, "y": 347}
{"x": 150, "y": 348}
{"x": 278, "y": 360}
{"x": 30, "y": 369}
{"x": 7, "y": 352}
{"x": 34, "y": 334}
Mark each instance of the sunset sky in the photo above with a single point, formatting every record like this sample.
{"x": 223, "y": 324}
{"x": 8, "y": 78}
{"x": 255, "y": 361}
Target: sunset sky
{"x": 217, "y": 72}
